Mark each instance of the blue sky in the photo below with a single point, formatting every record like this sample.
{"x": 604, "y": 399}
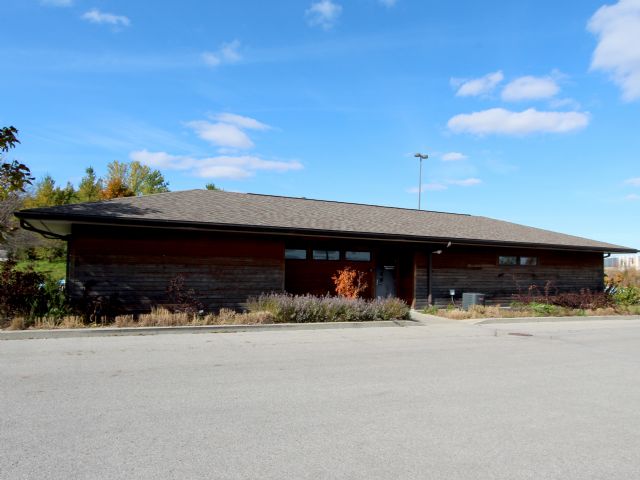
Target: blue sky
{"x": 529, "y": 110}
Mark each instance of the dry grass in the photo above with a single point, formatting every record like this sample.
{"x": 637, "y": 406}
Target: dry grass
{"x": 164, "y": 318}
{"x": 156, "y": 318}
{"x": 480, "y": 311}
{"x": 20, "y": 323}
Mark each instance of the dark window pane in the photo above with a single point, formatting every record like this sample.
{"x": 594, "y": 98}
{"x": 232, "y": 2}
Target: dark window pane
{"x": 319, "y": 254}
{"x": 326, "y": 255}
{"x": 503, "y": 260}
{"x": 528, "y": 260}
{"x": 295, "y": 254}
{"x": 357, "y": 256}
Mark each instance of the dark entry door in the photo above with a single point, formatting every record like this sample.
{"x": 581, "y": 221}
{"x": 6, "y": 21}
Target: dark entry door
{"x": 386, "y": 277}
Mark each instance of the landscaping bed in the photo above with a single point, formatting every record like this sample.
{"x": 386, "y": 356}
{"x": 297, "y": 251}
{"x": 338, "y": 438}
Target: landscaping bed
{"x": 265, "y": 309}
{"x": 617, "y": 299}
{"x": 531, "y": 310}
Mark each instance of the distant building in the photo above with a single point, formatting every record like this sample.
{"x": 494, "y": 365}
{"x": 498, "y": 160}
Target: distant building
{"x": 623, "y": 262}
{"x": 611, "y": 262}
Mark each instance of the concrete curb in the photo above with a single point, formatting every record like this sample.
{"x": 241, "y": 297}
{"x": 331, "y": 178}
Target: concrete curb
{"x": 488, "y": 321}
{"x": 132, "y": 331}
{"x": 427, "y": 319}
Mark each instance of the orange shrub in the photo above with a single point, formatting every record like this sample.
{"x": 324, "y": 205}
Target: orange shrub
{"x": 349, "y": 283}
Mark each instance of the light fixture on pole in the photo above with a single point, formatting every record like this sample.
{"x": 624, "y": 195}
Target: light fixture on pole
{"x": 421, "y": 156}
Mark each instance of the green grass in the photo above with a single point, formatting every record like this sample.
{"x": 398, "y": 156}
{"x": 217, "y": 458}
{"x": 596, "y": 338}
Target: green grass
{"x": 56, "y": 269}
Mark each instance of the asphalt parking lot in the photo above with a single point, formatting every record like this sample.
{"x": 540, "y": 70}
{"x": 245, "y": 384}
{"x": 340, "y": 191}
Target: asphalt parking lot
{"x": 447, "y": 401}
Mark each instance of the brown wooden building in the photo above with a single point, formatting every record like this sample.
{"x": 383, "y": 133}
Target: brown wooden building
{"x": 231, "y": 246}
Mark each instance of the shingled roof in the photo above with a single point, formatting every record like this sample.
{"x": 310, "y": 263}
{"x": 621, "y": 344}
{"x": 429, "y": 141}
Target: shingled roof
{"x": 229, "y": 210}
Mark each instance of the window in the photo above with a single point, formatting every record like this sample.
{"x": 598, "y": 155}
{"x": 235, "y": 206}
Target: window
{"x": 513, "y": 260}
{"x": 326, "y": 255}
{"x": 357, "y": 256}
{"x": 295, "y": 254}
{"x": 502, "y": 260}
{"x": 528, "y": 260}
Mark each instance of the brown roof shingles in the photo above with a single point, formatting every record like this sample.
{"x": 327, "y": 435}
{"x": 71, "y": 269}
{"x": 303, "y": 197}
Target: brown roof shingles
{"x": 219, "y": 208}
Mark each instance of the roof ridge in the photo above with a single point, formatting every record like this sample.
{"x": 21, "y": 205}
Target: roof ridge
{"x": 347, "y": 203}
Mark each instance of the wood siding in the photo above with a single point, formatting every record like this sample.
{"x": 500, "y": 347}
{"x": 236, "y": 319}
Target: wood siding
{"x": 314, "y": 276}
{"x": 135, "y": 266}
{"x": 475, "y": 269}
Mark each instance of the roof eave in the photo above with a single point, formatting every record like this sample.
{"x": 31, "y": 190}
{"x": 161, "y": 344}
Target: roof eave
{"x": 185, "y": 225}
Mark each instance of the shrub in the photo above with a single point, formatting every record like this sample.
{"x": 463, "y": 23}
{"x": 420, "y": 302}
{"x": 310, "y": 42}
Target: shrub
{"x": 584, "y": 299}
{"x": 18, "y": 290}
{"x": 50, "y": 302}
{"x": 29, "y": 295}
{"x": 181, "y": 298}
{"x": 431, "y": 310}
{"x": 627, "y": 295}
{"x": 543, "y": 309}
{"x": 287, "y": 308}
{"x": 622, "y": 278}
{"x": 349, "y": 283}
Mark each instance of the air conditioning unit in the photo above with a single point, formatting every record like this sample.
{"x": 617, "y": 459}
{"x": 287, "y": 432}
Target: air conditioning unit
{"x": 469, "y": 299}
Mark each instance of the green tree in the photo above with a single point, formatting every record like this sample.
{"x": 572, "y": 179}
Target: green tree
{"x": 126, "y": 179}
{"x": 143, "y": 180}
{"x": 212, "y": 186}
{"x": 90, "y": 187}
{"x": 14, "y": 176}
{"x": 47, "y": 194}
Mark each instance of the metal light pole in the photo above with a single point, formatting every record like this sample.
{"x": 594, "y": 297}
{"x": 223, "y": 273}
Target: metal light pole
{"x": 421, "y": 156}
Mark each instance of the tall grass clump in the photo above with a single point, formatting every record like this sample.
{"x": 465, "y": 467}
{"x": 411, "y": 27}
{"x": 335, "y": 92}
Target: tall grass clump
{"x": 286, "y": 308}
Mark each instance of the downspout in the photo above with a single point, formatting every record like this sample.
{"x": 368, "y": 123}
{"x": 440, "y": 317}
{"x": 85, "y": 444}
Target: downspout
{"x": 429, "y": 273}
{"x": 429, "y": 283}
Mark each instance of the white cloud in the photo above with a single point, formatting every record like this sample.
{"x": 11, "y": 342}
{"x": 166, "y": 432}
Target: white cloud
{"x": 57, "y": 3}
{"x": 453, "y": 156}
{"x": 388, "y": 3}
{"x": 211, "y": 59}
{"x": 241, "y": 121}
{"x": 633, "y": 181}
{"x": 507, "y": 122}
{"x": 222, "y": 166}
{"x": 227, "y": 53}
{"x": 530, "y": 88}
{"x": 632, "y": 196}
{"x": 618, "y": 51}
{"x": 432, "y": 187}
{"x": 478, "y": 86}
{"x": 439, "y": 186}
{"x": 221, "y": 134}
{"x": 228, "y": 131}
{"x": 467, "y": 182}
{"x": 323, "y": 13}
{"x": 96, "y": 16}
{"x": 564, "y": 102}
